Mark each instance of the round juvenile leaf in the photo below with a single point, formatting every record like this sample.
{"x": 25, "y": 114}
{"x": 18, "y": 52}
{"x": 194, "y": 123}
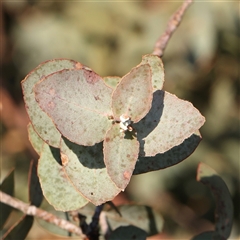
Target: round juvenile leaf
{"x": 133, "y": 94}
{"x": 34, "y": 138}
{"x": 157, "y": 69}
{"x": 128, "y": 232}
{"x": 169, "y": 158}
{"x": 40, "y": 120}
{"x": 140, "y": 216}
{"x": 79, "y": 104}
{"x": 85, "y": 168}
{"x": 120, "y": 155}
{"x": 169, "y": 122}
{"x": 57, "y": 188}
{"x": 224, "y": 204}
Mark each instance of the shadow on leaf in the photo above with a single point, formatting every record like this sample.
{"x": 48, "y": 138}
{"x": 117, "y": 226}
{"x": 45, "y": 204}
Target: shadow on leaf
{"x": 90, "y": 157}
{"x": 151, "y": 120}
{"x": 169, "y": 158}
{"x": 56, "y": 154}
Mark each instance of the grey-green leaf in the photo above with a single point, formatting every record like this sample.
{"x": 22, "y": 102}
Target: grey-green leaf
{"x": 35, "y": 140}
{"x": 41, "y": 122}
{"x": 120, "y": 155}
{"x": 79, "y": 103}
{"x": 157, "y": 69}
{"x": 169, "y": 122}
{"x": 56, "y": 187}
{"x": 133, "y": 95}
{"x": 169, "y": 158}
{"x": 85, "y": 168}
{"x": 112, "y": 81}
{"x": 140, "y": 216}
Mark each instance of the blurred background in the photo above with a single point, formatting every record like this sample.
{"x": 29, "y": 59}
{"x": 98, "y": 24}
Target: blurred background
{"x": 201, "y": 65}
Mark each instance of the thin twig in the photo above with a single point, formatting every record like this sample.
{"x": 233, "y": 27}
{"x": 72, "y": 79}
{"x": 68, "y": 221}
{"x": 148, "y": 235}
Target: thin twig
{"x": 173, "y": 23}
{"x": 34, "y": 211}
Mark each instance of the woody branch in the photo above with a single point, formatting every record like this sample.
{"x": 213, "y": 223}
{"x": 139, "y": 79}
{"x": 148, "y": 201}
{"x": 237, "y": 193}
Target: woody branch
{"x": 173, "y": 23}
{"x": 34, "y": 211}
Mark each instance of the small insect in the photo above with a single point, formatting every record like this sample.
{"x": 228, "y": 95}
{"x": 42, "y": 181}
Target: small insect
{"x": 125, "y": 123}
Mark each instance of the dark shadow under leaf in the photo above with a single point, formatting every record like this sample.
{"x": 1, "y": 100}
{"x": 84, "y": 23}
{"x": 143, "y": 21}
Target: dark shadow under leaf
{"x": 35, "y": 190}
{"x": 151, "y": 120}
{"x": 173, "y": 156}
{"x": 90, "y": 157}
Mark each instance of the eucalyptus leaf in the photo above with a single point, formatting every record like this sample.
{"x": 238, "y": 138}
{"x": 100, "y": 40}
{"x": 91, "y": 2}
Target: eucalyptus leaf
{"x": 169, "y": 122}
{"x": 85, "y": 167}
{"x": 141, "y": 216}
{"x": 224, "y": 204}
{"x": 112, "y": 81}
{"x": 36, "y": 141}
{"x": 133, "y": 95}
{"x": 43, "y": 125}
{"x": 157, "y": 69}
{"x": 79, "y": 103}
{"x": 56, "y": 187}
{"x": 120, "y": 155}
{"x": 169, "y": 158}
